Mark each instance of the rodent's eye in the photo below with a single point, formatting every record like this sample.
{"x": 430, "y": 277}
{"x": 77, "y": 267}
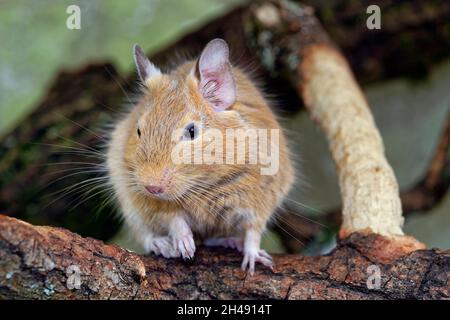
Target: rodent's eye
{"x": 190, "y": 132}
{"x": 139, "y": 132}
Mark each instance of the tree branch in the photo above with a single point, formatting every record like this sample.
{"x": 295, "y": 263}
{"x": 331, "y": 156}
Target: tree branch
{"x": 45, "y": 262}
{"x": 369, "y": 190}
{"x": 424, "y": 196}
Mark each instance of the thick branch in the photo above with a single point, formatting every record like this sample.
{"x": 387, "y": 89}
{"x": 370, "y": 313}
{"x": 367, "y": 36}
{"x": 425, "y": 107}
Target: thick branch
{"x": 368, "y": 186}
{"x": 369, "y": 190}
{"x": 44, "y": 262}
{"x": 424, "y": 196}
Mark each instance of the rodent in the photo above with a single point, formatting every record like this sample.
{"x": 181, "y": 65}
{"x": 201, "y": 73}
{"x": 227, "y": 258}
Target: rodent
{"x": 168, "y": 206}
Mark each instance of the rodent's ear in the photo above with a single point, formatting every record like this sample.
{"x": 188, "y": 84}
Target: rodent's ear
{"x": 216, "y": 77}
{"x": 144, "y": 67}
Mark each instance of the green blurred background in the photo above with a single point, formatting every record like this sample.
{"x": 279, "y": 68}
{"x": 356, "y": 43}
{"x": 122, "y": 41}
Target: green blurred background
{"x": 36, "y": 44}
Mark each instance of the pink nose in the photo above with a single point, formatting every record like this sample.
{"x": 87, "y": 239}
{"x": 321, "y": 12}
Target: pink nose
{"x": 155, "y": 189}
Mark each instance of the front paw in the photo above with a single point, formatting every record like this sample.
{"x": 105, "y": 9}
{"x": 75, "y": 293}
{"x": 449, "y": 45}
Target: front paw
{"x": 185, "y": 245}
{"x": 161, "y": 246}
{"x": 252, "y": 256}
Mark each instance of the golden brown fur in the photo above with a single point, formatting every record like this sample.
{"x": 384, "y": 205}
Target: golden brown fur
{"x": 218, "y": 199}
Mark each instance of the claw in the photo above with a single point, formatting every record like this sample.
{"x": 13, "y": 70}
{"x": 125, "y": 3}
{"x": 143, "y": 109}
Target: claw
{"x": 185, "y": 245}
{"x": 182, "y": 238}
{"x": 160, "y": 246}
{"x": 251, "y": 257}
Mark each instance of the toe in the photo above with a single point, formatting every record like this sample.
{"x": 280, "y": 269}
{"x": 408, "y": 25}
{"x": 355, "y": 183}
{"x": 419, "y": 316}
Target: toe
{"x": 192, "y": 245}
{"x": 244, "y": 263}
{"x": 265, "y": 254}
{"x": 248, "y": 264}
{"x": 185, "y": 246}
{"x": 166, "y": 248}
{"x": 251, "y": 267}
{"x": 180, "y": 247}
{"x": 265, "y": 261}
{"x": 251, "y": 258}
{"x": 188, "y": 248}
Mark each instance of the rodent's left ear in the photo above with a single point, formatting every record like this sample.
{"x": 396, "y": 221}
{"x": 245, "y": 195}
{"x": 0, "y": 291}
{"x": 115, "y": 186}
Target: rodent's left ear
{"x": 216, "y": 77}
{"x": 144, "y": 67}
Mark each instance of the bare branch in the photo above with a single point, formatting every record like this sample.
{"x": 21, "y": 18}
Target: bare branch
{"x": 53, "y": 263}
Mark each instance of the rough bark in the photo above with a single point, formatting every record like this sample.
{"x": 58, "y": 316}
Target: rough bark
{"x": 44, "y": 263}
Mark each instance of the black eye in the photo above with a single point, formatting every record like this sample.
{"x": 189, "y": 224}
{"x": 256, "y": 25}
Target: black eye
{"x": 139, "y": 132}
{"x": 190, "y": 132}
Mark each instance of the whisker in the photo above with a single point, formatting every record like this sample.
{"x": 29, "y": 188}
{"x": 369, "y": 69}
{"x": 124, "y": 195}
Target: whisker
{"x": 80, "y": 125}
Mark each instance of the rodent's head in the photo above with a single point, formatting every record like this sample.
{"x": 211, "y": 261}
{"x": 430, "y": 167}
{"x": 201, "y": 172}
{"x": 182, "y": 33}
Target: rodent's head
{"x": 174, "y": 112}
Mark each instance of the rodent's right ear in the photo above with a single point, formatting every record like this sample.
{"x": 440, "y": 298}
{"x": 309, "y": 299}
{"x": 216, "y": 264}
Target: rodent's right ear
{"x": 217, "y": 83}
{"x": 144, "y": 67}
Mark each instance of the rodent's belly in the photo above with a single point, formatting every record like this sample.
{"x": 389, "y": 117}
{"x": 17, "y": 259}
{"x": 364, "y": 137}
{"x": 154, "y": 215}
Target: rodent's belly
{"x": 218, "y": 221}
{"x": 213, "y": 219}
